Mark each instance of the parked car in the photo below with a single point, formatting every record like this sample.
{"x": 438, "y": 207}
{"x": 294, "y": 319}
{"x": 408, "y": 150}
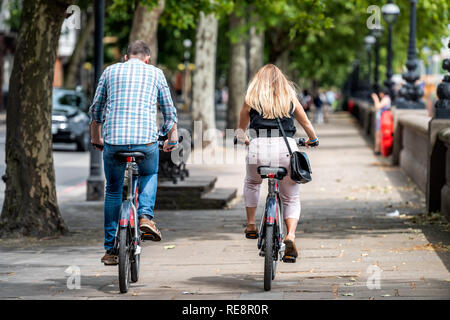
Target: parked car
{"x": 70, "y": 122}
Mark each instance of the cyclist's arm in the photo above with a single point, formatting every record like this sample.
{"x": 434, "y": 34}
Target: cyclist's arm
{"x": 167, "y": 108}
{"x": 244, "y": 120}
{"x": 96, "y": 110}
{"x": 302, "y": 118}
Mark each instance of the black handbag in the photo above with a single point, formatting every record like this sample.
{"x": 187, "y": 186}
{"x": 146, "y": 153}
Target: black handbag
{"x": 300, "y": 166}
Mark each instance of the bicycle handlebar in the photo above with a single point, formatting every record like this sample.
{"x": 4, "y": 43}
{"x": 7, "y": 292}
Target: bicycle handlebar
{"x": 99, "y": 146}
{"x": 302, "y": 142}
{"x": 162, "y": 139}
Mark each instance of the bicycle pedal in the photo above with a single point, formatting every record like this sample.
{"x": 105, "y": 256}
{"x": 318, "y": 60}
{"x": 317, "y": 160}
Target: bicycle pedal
{"x": 289, "y": 259}
{"x": 147, "y": 236}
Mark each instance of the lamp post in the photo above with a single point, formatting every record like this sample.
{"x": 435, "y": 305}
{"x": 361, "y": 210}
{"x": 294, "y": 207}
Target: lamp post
{"x": 390, "y": 13}
{"x": 442, "y": 106}
{"x": 410, "y": 94}
{"x": 369, "y": 41}
{"x": 377, "y": 33}
{"x": 187, "y": 43}
{"x": 95, "y": 182}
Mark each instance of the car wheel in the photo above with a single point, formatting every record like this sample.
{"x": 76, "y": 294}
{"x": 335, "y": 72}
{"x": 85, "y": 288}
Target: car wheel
{"x": 83, "y": 142}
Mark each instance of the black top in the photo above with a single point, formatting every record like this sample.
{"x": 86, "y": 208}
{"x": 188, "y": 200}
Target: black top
{"x": 257, "y": 123}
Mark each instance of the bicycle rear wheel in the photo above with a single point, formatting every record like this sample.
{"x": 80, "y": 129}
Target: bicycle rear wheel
{"x": 268, "y": 259}
{"x": 124, "y": 260}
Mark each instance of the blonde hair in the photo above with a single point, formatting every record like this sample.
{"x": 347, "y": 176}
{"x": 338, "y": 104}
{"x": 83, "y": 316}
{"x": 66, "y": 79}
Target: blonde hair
{"x": 270, "y": 93}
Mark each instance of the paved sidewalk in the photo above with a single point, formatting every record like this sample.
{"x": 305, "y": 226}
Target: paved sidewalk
{"x": 343, "y": 237}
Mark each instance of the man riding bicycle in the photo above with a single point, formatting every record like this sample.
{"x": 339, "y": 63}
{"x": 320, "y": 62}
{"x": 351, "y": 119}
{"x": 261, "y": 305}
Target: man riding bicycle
{"x": 125, "y": 105}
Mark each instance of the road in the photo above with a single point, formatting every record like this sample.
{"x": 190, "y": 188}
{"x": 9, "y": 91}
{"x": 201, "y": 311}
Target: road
{"x": 71, "y": 169}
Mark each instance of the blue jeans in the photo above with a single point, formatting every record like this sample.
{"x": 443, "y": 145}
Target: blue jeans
{"x": 114, "y": 174}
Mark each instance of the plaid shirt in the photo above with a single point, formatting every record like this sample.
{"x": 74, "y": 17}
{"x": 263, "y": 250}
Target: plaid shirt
{"x": 125, "y": 102}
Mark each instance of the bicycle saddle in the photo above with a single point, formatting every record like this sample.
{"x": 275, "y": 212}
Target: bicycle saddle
{"x": 123, "y": 155}
{"x": 278, "y": 172}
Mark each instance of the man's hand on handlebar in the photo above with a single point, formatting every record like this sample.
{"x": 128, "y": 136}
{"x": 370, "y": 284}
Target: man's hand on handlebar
{"x": 169, "y": 145}
{"x": 98, "y": 144}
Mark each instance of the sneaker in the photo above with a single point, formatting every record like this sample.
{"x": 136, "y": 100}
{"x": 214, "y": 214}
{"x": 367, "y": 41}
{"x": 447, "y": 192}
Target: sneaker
{"x": 290, "y": 252}
{"x": 110, "y": 259}
{"x": 149, "y": 230}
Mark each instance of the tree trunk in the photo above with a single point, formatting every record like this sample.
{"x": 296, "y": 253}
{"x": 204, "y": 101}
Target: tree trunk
{"x": 237, "y": 77}
{"x": 203, "y": 102}
{"x": 30, "y": 207}
{"x": 256, "y": 51}
{"x": 145, "y": 27}
{"x": 79, "y": 52}
{"x": 282, "y": 62}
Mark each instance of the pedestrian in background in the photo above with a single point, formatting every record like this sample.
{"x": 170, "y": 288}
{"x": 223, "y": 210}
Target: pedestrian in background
{"x": 318, "y": 103}
{"x": 382, "y": 102}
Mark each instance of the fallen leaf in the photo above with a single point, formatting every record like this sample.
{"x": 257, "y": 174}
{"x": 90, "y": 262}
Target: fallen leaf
{"x": 364, "y": 254}
{"x": 335, "y": 290}
{"x": 371, "y": 298}
{"x": 348, "y": 294}
{"x": 349, "y": 284}
{"x": 386, "y": 295}
{"x": 171, "y": 246}
{"x": 396, "y": 292}
{"x": 412, "y": 285}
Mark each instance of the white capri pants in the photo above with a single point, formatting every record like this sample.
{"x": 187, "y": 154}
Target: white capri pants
{"x": 271, "y": 152}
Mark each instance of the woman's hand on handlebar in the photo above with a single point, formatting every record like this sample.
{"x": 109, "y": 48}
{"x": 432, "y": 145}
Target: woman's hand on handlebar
{"x": 312, "y": 143}
{"x": 243, "y": 139}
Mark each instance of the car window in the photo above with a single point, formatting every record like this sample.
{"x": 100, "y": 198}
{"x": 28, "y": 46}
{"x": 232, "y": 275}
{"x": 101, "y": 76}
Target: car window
{"x": 70, "y": 100}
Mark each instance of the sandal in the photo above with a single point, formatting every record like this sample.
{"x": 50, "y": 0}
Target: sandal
{"x": 251, "y": 232}
{"x": 290, "y": 252}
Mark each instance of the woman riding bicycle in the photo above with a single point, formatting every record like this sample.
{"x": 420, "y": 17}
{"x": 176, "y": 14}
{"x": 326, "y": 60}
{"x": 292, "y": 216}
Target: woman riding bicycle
{"x": 269, "y": 96}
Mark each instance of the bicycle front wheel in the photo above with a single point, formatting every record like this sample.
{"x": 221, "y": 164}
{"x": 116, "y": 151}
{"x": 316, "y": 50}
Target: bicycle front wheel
{"x": 268, "y": 259}
{"x": 124, "y": 260}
